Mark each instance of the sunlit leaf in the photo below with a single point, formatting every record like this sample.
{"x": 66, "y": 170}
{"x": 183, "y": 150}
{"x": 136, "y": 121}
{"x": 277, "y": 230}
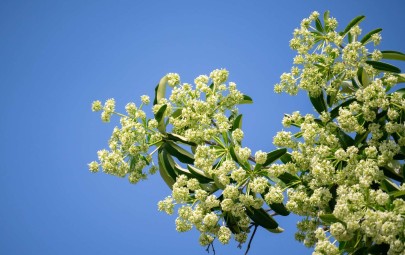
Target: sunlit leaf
{"x": 199, "y": 174}
{"x": 160, "y": 90}
{"x": 329, "y": 219}
{"x": 246, "y": 100}
{"x": 159, "y": 118}
{"x": 179, "y": 152}
{"x": 395, "y": 55}
{"x": 164, "y": 173}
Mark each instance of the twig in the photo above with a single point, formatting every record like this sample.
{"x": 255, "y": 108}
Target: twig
{"x": 251, "y": 239}
{"x": 212, "y": 246}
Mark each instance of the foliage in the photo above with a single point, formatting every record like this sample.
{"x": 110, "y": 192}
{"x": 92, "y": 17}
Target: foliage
{"x": 342, "y": 171}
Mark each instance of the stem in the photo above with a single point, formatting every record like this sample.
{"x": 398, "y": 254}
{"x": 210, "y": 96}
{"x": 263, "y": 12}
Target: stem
{"x": 251, "y": 239}
{"x": 120, "y": 114}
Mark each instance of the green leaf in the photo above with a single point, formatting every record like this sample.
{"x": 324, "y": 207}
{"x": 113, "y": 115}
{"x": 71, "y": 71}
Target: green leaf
{"x": 246, "y": 100}
{"x": 319, "y": 103}
{"x": 392, "y": 174}
{"x": 209, "y": 187}
{"x": 398, "y": 194}
{"x": 318, "y": 25}
{"x": 279, "y": 208}
{"x": 245, "y": 165}
{"x": 378, "y": 249}
{"x": 289, "y": 179}
{"x": 347, "y": 87}
{"x": 286, "y": 158}
{"x": 180, "y": 153}
{"x": 400, "y": 77}
{"x": 199, "y": 174}
{"x": 363, "y": 77}
{"x": 329, "y": 219}
{"x": 179, "y": 138}
{"x": 352, "y": 23}
{"x": 160, "y": 90}
{"x": 325, "y": 20}
{"x": 176, "y": 113}
{"x": 276, "y": 230}
{"x": 232, "y": 223}
{"x": 237, "y": 123}
{"x": 179, "y": 170}
{"x": 344, "y": 139}
{"x": 274, "y": 155}
{"x": 168, "y": 164}
{"x": 388, "y": 186}
{"x": 164, "y": 173}
{"x": 383, "y": 66}
{"x": 261, "y": 217}
{"x": 159, "y": 118}
{"x": 395, "y": 55}
{"x": 160, "y": 113}
{"x": 367, "y": 37}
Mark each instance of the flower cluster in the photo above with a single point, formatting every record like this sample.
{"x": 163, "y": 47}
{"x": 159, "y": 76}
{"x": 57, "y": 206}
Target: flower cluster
{"x": 129, "y": 144}
{"x": 350, "y": 159}
{"x": 342, "y": 171}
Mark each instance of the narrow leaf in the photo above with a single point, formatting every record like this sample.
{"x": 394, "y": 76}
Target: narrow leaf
{"x": 286, "y": 158}
{"x": 261, "y": 217}
{"x": 159, "y": 118}
{"x": 160, "y": 90}
{"x": 164, "y": 173}
{"x": 398, "y": 194}
{"x": 232, "y": 223}
{"x": 395, "y": 55}
{"x": 319, "y": 103}
{"x": 352, "y": 23}
{"x": 329, "y": 218}
{"x": 388, "y": 186}
{"x": 199, "y": 174}
{"x": 276, "y": 230}
{"x": 246, "y": 100}
{"x": 318, "y": 25}
{"x": 168, "y": 164}
{"x": 367, "y": 37}
{"x": 237, "y": 123}
{"x": 179, "y": 138}
{"x": 180, "y": 153}
{"x": 289, "y": 179}
{"x": 392, "y": 174}
{"x": 279, "y": 208}
{"x": 274, "y": 155}
{"x": 383, "y": 66}
{"x": 344, "y": 139}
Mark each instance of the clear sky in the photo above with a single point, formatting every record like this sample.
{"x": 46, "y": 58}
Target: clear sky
{"x": 56, "y": 57}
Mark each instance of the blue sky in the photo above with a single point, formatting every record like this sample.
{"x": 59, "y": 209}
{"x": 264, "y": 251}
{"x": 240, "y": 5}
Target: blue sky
{"x": 56, "y": 57}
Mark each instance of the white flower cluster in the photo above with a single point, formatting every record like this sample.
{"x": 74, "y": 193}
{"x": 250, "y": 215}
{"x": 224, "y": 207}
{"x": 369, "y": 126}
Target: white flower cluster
{"x": 129, "y": 145}
{"x": 350, "y": 159}
{"x": 331, "y": 63}
{"x": 200, "y": 114}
